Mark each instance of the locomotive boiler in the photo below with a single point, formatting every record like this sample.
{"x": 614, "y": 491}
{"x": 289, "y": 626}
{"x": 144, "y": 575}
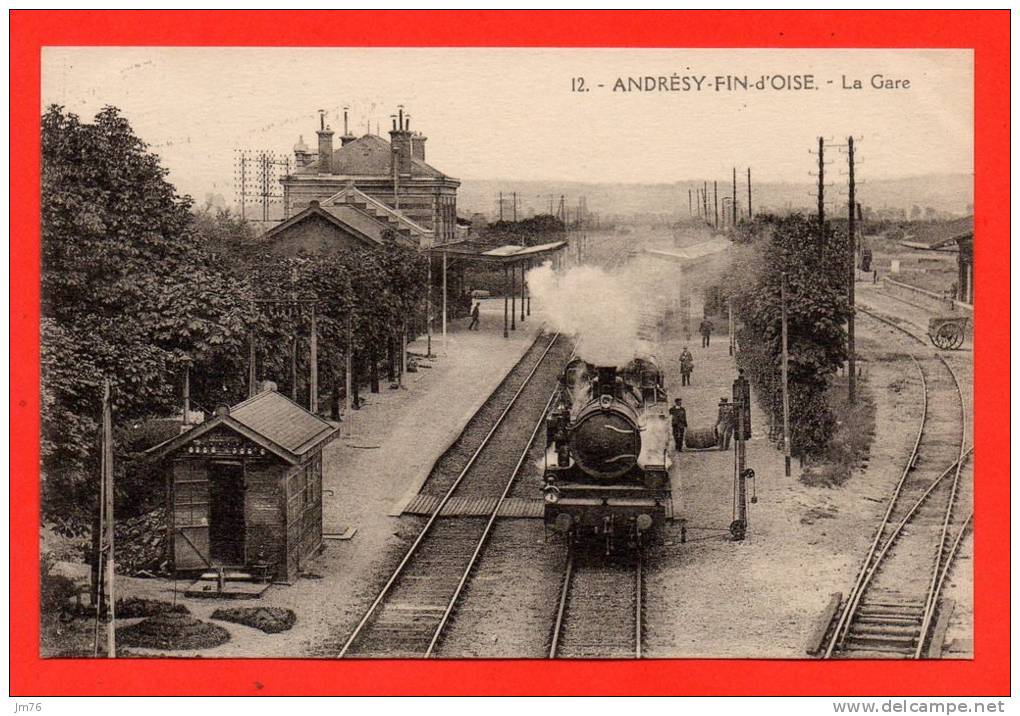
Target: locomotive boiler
{"x": 607, "y": 458}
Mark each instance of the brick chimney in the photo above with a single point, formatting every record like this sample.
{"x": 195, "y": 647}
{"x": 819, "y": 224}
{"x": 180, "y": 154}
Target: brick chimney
{"x": 325, "y": 145}
{"x": 400, "y": 142}
{"x": 346, "y": 138}
{"x": 418, "y": 145}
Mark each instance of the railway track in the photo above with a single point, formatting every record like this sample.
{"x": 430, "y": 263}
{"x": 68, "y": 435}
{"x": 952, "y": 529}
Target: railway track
{"x": 599, "y": 615}
{"x": 409, "y": 615}
{"x": 890, "y": 610}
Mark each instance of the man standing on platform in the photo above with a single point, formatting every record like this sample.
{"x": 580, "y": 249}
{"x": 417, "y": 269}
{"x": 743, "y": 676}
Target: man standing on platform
{"x": 473, "y": 326}
{"x": 679, "y": 418}
{"x": 686, "y": 366}
{"x": 706, "y": 332}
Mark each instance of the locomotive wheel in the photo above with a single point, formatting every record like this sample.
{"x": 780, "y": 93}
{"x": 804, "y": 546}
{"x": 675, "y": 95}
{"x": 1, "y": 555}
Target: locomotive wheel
{"x": 738, "y": 530}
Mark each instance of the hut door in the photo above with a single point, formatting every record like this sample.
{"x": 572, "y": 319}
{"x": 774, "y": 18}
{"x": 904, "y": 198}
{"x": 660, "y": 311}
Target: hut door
{"x": 226, "y": 518}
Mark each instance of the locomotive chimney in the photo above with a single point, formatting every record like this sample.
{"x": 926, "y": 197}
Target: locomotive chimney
{"x": 606, "y": 379}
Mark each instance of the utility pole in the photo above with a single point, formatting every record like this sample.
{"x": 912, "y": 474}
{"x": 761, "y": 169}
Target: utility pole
{"x": 428, "y": 306}
{"x": 704, "y": 199}
{"x": 515, "y": 207}
{"x": 821, "y": 192}
{"x": 105, "y": 558}
{"x": 729, "y": 315}
{"x": 851, "y": 249}
{"x": 734, "y": 197}
{"x": 251, "y": 363}
{"x": 501, "y": 207}
{"x": 444, "y": 303}
{"x": 786, "y": 384}
{"x": 690, "y": 207}
{"x": 715, "y": 195}
{"x": 187, "y": 393}
{"x": 348, "y": 378}
{"x": 750, "y": 214}
{"x": 313, "y": 368}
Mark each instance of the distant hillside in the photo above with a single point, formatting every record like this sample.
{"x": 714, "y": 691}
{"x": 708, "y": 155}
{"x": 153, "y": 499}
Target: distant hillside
{"x": 946, "y": 193}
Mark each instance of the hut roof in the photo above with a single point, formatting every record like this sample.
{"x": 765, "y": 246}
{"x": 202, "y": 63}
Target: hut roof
{"x": 268, "y": 419}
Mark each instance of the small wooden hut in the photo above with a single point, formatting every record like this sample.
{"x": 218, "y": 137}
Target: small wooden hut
{"x": 244, "y": 489}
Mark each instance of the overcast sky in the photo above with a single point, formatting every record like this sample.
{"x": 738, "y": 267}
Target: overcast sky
{"x": 511, "y": 114}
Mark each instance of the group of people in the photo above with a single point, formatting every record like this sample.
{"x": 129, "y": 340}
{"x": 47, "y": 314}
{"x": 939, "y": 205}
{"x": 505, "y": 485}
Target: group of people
{"x": 725, "y": 423}
{"x": 726, "y": 420}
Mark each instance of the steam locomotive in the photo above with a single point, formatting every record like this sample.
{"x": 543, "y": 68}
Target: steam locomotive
{"x": 607, "y": 463}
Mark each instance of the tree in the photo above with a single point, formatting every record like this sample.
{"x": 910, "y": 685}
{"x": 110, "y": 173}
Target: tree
{"x": 128, "y": 292}
{"x": 817, "y": 310}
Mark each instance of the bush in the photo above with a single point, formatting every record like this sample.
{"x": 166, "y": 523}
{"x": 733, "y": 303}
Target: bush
{"x": 817, "y": 310}
{"x": 134, "y": 607}
{"x": 172, "y": 630}
{"x": 271, "y": 620}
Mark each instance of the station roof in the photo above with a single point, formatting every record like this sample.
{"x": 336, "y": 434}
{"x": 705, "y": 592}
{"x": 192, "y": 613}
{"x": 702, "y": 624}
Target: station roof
{"x": 693, "y": 252}
{"x": 501, "y": 255}
{"x": 370, "y": 155}
{"x": 938, "y": 234}
{"x": 268, "y": 419}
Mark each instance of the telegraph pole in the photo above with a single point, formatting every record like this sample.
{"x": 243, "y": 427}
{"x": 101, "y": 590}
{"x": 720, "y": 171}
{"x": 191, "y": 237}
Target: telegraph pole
{"x": 106, "y": 559}
{"x": 715, "y": 186}
{"x": 690, "y": 206}
{"x": 734, "y": 197}
{"x": 821, "y": 192}
{"x": 251, "y": 363}
{"x": 852, "y": 360}
{"x": 786, "y": 383}
{"x": 515, "y": 208}
{"x": 704, "y": 199}
{"x": 501, "y": 207}
{"x": 313, "y": 368}
{"x": 749, "y": 213}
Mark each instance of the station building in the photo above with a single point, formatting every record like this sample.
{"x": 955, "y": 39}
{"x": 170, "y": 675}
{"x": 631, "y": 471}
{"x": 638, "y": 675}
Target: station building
{"x": 389, "y": 180}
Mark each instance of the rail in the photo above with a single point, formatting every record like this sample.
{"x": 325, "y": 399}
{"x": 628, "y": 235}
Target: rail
{"x": 875, "y": 556}
{"x": 442, "y": 503}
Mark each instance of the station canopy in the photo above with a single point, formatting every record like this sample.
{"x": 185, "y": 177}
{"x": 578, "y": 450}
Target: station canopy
{"x": 505, "y": 255}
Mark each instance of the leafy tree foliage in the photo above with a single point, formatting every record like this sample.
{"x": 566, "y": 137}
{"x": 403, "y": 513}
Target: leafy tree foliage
{"x": 529, "y": 232}
{"x": 817, "y": 311}
{"x": 138, "y": 287}
{"x": 128, "y": 293}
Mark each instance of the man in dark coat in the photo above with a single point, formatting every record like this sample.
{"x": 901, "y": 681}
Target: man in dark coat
{"x": 678, "y": 414}
{"x": 686, "y": 366}
{"x": 706, "y": 332}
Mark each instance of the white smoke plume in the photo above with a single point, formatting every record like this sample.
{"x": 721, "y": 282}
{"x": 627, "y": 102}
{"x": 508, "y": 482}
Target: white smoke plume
{"x": 608, "y": 311}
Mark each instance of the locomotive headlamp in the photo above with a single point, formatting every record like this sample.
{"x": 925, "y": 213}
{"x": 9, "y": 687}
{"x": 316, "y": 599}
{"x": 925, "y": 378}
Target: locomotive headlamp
{"x": 644, "y": 521}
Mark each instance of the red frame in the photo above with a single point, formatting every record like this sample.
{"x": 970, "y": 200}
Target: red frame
{"x": 987, "y": 32}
